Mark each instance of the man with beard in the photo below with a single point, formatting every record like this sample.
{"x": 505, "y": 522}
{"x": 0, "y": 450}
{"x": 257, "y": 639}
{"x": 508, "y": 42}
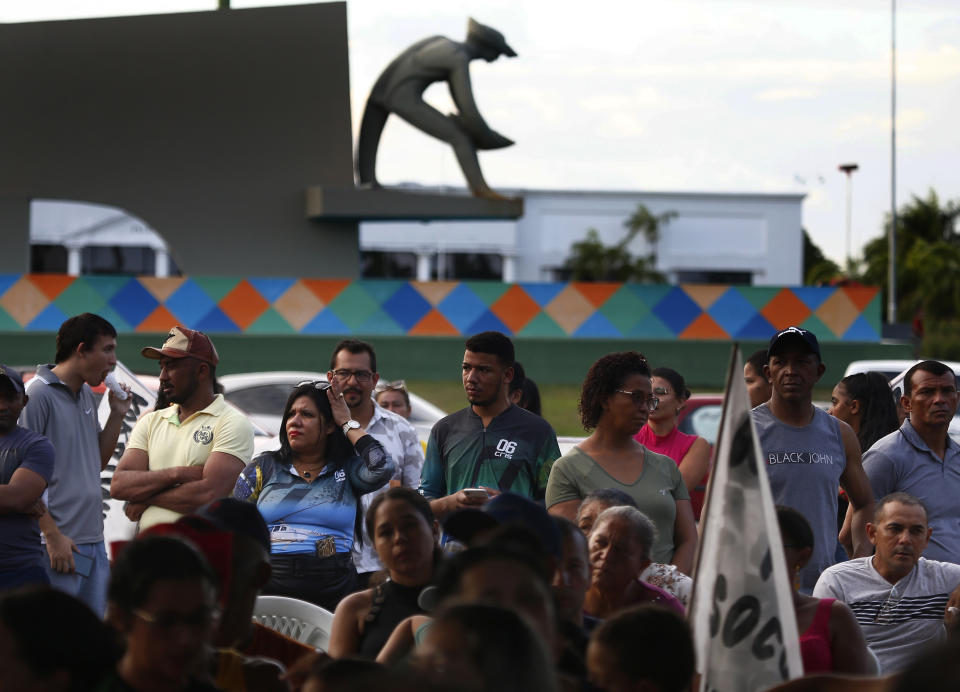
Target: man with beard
{"x": 184, "y": 456}
{"x": 354, "y": 366}
{"x": 491, "y": 445}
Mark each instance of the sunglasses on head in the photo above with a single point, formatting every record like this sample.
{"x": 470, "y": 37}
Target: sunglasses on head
{"x": 398, "y": 385}
{"x": 322, "y": 385}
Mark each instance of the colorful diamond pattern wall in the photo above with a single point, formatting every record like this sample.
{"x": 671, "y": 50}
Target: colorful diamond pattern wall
{"x": 283, "y": 305}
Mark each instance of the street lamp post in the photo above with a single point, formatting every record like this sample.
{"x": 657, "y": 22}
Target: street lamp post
{"x": 849, "y": 168}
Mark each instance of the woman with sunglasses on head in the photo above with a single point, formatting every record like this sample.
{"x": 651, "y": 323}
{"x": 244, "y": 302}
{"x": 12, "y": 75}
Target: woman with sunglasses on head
{"x": 393, "y": 396}
{"x": 615, "y": 402}
{"x": 308, "y": 492}
{"x": 661, "y": 434}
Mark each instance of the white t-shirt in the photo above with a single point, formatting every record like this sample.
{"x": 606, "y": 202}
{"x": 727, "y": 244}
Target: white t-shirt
{"x": 899, "y": 621}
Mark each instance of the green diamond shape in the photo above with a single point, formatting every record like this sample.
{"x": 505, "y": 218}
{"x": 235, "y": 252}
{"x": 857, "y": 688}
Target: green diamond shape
{"x": 624, "y": 309}
{"x": 354, "y": 305}
{"x": 216, "y": 286}
{"x": 487, "y": 291}
{"x": 823, "y": 332}
{"x": 270, "y": 322}
{"x": 542, "y": 325}
{"x": 80, "y": 297}
{"x": 758, "y": 296}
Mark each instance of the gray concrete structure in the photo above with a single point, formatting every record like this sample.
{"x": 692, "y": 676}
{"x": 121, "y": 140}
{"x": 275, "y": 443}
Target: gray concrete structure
{"x": 208, "y": 126}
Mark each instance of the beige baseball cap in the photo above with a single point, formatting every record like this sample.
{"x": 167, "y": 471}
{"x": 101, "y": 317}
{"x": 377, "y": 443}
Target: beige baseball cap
{"x": 184, "y": 343}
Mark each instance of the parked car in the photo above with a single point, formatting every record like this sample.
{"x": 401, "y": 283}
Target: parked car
{"x": 701, "y": 416}
{"x": 262, "y": 395}
{"x": 891, "y": 368}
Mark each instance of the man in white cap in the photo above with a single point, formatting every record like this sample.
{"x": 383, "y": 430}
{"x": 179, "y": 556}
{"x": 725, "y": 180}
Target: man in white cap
{"x": 190, "y": 453}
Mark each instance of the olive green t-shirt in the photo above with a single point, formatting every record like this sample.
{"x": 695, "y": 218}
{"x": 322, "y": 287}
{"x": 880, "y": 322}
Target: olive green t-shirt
{"x": 656, "y": 491}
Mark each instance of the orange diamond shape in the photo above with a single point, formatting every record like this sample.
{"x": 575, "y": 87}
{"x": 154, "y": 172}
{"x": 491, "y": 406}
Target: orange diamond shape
{"x": 434, "y": 324}
{"x": 597, "y": 292}
{"x": 160, "y": 320}
{"x": 785, "y": 310}
{"x": 861, "y": 296}
{"x": 326, "y": 289}
{"x": 704, "y": 327}
{"x": 51, "y": 285}
{"x": 515, "y": 308}
{"x": 244, "y": 304}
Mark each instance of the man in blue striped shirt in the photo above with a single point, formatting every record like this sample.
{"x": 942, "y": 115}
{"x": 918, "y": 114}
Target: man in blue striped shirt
{"x": 898, "y": 597}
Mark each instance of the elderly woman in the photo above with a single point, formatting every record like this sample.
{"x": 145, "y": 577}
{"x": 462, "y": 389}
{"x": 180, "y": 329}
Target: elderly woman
{"x": 615, "y": 402}
{"x": 667, "y": 577}
{"x": 619, "y": 547}
{"x": 405, "y": 535}
{"x": 308, "y": 493}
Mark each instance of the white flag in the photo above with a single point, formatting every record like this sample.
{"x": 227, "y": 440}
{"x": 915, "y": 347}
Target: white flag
{"x": 742, "y": 616}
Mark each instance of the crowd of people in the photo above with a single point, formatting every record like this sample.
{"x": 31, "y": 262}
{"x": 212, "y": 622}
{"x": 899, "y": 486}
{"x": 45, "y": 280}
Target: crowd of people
{"x": 484, "y": 561}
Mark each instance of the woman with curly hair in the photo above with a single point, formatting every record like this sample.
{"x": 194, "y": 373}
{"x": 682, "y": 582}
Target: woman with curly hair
{"x": 615, "y": 402}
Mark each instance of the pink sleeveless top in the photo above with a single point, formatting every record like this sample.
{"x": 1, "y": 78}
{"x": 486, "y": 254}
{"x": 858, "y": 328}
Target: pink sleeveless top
{"x": 674, "y": 444}
{"x": 815, "y": 642}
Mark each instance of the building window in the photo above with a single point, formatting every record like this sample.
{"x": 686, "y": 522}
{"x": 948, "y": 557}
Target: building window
{"x": 48, "y": 259}
{"x": 116, "y": 259}
{"x": 472, "y": 265}
{"x": 388, "y": 265}
{"x": 715, "y": 277}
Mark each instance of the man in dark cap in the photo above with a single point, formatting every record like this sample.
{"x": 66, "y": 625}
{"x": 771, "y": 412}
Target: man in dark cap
{"x": 808, "y": 452}
{"x": 190, "y": 453}
{"x": 400, "y": 90}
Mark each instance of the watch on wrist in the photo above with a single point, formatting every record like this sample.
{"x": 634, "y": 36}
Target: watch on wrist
{"x": 350, "y": 425}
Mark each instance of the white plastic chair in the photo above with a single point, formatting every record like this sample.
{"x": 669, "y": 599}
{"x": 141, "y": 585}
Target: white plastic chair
{"x": 307, "y": 623}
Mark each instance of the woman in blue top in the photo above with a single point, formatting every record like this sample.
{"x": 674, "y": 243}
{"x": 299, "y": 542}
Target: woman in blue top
{"x": 308, "y": 492}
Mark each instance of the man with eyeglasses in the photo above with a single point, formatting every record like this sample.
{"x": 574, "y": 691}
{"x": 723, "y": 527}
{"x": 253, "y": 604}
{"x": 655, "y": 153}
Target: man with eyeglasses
{"x": 808, "y": 452}
{"x": 921, "y": 458}
{"x": 492, "y": 445}
{"x": 184, "y": 456}
{"x": 354, "y": 365}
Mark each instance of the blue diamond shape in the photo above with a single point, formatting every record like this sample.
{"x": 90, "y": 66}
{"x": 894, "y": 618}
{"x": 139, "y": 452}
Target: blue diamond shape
{"x": 732, "y": 311}
{"x": 216, "y": 321}
{"x": 6, "y": 281}
{"x": 326, "y": 322}
{"x": 543, "y": 293}
{"x": 597, "y": 326}
{"x": 133, "y": 302}
{"x": 757, "y": 328}
{"x": 861, "y": 330}
{"x": 407, "y": 306}
{"x": 47, "y": 321}
{"x": 380, "y": 323}
{"x": 190, "y": 304}
{"x": 271, "y": 288}
{"x": 677, "y": 310}
{"x": 462, "y": 307}
{"x": 812, "y": 296}
{"x": 487, "y": 322}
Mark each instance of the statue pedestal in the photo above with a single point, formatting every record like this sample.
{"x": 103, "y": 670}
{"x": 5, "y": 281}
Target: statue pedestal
{"x": 330, "y": 202}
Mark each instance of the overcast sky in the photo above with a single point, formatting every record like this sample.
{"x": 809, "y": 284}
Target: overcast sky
{"x": 685, "y": 95}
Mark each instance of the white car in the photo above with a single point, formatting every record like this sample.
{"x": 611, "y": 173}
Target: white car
{"x": 890, "y": 368}
{"x": 262, "y": 396}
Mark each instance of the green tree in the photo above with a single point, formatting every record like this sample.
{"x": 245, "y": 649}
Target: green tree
{"x": 928, "y": 258}
{"x": 591, "y": 260}
{"x": 817, "y": 269}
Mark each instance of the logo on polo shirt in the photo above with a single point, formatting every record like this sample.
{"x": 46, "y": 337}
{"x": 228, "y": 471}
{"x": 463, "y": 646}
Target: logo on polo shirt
{"x": 203, "y": 435}
{"x": 340, "y": 476}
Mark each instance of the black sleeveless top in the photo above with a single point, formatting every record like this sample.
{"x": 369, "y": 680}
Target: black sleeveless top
{"x": 392, "y": 603}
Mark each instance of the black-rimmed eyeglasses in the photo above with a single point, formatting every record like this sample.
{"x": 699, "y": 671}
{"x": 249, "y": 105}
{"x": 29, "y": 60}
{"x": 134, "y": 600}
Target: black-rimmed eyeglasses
{"x": 361, "y": 375}
{"x": 640, "y": 396}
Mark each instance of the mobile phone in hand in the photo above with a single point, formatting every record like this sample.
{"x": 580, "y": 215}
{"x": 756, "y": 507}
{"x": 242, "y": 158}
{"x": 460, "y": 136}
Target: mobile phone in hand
{"x": 82, "y": 564}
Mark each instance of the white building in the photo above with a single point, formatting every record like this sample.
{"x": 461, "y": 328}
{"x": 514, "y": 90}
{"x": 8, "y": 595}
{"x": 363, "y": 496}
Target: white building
{"x": 714, "y": 238}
